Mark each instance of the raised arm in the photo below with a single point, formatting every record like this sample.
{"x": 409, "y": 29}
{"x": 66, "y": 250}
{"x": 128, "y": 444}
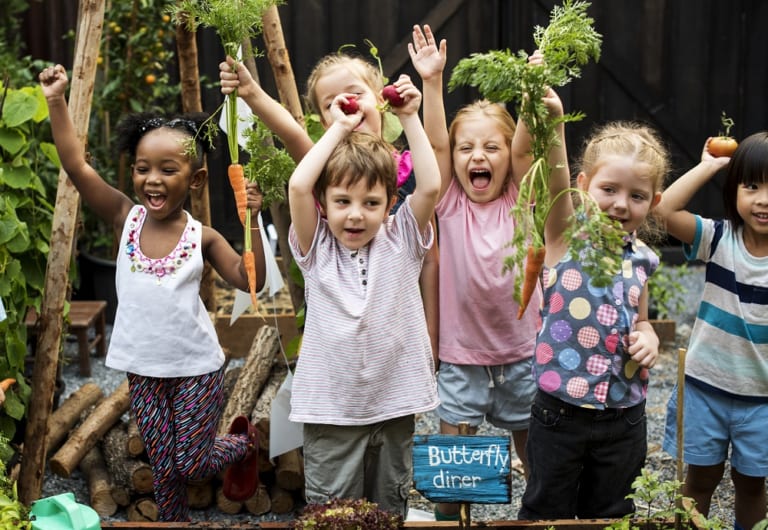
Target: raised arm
{"x": 425, "y": 167}
{"x": 106, "y": 201}
{"x": 429, "y": 61}
{"x": 301, "y": 199}
{"x": 235, "y": 75}
{"x": 680, "y": 223}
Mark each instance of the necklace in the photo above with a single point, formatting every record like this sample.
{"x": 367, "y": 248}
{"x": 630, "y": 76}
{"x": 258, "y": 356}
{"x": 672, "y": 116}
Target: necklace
{"x": 160, "y": 267}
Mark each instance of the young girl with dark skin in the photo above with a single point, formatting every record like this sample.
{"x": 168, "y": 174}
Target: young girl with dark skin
{"x": 163, "y": 337}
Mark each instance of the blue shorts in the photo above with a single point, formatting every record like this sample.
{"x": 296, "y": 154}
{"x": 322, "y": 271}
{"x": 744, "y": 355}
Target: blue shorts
{"x": 503, "y": 395}
{"x": 713, "y": 423}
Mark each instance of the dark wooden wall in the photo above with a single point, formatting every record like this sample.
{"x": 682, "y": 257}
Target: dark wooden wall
{"x": 676, "y": 64}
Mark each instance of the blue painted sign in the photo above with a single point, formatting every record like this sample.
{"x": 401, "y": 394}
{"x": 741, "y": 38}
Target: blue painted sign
{"x": 451, "y": 468}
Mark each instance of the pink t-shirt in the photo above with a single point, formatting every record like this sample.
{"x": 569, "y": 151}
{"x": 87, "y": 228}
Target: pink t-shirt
{"x": 478, "y": 314}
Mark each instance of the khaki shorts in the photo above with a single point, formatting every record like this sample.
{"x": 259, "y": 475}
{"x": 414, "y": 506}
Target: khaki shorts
{"x": 360, "y": 461}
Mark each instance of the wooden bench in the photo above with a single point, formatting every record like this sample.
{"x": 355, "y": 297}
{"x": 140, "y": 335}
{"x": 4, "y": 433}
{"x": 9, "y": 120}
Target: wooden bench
{"x": 83, "y": 314}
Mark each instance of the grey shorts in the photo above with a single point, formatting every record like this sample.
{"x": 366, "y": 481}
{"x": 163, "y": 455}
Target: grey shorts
{"x": 371, "y": 461}
{"x": 502, "y": 395}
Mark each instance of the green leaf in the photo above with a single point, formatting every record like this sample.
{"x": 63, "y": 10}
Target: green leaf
{"x": 49, "y": 150}
{"x": 21, "y": 177}
{"x": 392, "y": 128}
{"x": 20, "y": 106}
{"x": 12, "y": 140}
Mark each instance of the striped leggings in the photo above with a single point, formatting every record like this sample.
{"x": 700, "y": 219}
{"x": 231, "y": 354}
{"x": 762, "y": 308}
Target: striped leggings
{"x": 178, "y": 418}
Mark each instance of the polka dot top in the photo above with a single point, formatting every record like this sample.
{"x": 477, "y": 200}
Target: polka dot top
{"x": 581, "y": 355}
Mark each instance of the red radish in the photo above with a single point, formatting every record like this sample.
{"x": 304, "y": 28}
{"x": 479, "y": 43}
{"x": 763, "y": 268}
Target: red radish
{"x": 390, "y": 94}
{"x": 351, "y": 106}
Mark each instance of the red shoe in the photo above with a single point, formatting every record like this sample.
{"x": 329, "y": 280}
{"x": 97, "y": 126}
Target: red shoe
{"x": 242, "y": 478}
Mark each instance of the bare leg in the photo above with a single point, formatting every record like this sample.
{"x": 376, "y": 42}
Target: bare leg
{"x": 520, "y": 439}
{"x": 750, "y": 500}
{"x": 700, "y": 484}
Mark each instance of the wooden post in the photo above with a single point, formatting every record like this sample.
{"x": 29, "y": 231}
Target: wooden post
{"x": 90, "y": 22}
{"x": 465, "y": 509}
{"x": 191, "y": 101}
{"x": 679, "y": 421}
{"x": 277, "y": 53}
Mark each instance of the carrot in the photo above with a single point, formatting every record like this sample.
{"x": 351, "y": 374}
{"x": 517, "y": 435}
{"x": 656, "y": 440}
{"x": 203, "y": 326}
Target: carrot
{"x": 5, "y": 384}
{"x": 249, "y": 261}
{"x": 237, "y": 181}
{"x": 533, "y": 264}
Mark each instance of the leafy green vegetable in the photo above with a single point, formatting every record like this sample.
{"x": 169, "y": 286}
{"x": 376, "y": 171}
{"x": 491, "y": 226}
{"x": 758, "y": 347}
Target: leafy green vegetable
{"x": 567, "y": 43}
{"x": 344, "y": 514}
{"x": 269, "y": 165}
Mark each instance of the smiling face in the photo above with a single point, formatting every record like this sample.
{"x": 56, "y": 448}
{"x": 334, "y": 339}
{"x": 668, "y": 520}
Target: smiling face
{"x": 623, "y": 189}
{"x": 347, "y": 78}
{"x": 481, "y": 158}
{"x": 162, "y": 172}
{"x": 355, "y": 212}
{"x": 752, "y": 206}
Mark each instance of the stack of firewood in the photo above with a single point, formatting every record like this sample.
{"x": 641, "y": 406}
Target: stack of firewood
{"x": 89, "y": 431}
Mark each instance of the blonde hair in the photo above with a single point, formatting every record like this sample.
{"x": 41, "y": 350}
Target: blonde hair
{"x": 361, "y": 68}
{"x": 494, "y": 112}
{"x": 633, "y": 140}
{"x": 359, "y": 156}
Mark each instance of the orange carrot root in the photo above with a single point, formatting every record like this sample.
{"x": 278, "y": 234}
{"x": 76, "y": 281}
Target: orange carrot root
{"x": 533, "y": 265}
{"x": 236, "y": 175}
{"x": 6, "y": 384}
{"x": 249, "y": 261}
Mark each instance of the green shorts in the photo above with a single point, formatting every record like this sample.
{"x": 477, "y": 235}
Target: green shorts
{"x": 360, "y": 461}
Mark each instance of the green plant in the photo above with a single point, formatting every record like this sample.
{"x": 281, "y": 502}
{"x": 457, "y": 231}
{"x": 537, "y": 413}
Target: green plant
{"x": 658, "y": 503}
{"x": 13, "y": 514}
{"x": 28, "y": 179}
{"x": 666, "y": 293}
{"x": 567, "y": 43}
{"x": 268, "y": 165}
{"x": 346, "y": 514}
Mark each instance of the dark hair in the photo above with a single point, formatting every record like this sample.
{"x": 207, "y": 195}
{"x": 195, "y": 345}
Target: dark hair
{"x": 360, "y": 156}
{"x": 748, "y": 165}
{"x": 132, "y": 128}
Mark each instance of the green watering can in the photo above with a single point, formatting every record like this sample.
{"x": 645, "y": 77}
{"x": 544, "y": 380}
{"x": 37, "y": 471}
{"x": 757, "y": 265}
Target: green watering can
{"x": 61, "y": 512}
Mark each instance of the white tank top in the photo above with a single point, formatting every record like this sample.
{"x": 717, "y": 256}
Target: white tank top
{"x": 162, "y": 328}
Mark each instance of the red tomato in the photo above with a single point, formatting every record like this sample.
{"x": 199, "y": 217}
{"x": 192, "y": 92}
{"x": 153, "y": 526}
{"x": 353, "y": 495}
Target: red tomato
{"x": 722, "y": 146}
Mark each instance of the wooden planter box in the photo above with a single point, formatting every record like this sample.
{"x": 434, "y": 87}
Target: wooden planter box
{"x": 237, "y": 338}
{"x": 564, "y": 524}
{"x": 665, "y": 329}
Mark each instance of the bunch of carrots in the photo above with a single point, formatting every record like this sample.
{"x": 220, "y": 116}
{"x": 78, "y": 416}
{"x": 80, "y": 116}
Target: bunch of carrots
{"x": 235, "y": 21}
{"x": 567, "y": 43}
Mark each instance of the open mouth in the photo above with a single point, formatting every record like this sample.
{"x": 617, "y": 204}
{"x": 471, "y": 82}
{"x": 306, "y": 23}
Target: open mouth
{"x": 480, "y": 178}
{"x": 155, "y": 200}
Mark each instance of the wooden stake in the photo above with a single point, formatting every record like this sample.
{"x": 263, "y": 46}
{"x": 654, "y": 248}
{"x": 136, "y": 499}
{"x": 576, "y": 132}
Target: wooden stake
{"x": 465, "y": 509}
{"x": 88, "y": 39}
{"x": 679, "y": 425}
{"x": 68, "y": 414}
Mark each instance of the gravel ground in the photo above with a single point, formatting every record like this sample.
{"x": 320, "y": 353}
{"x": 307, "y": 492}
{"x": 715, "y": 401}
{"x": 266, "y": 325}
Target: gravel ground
{"x": 663, "y": 379}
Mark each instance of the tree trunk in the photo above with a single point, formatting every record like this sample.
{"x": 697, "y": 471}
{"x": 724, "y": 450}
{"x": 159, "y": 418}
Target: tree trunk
{"x": 191, "y": 101}
{"x": 90, "y": 431}
{"x": 226, "y": 505}
{"x": 99, "y": 488}
{"x": 134, "y": 444}
{"x": 90, "y": 21}
{"x": 260, "y": 415}
{"x": 131, "y": 473}
{"x": 260, "y": 503}
{"x": 282, "y": 500}
{"x": 200, "y": 494}
{"x": 254, "y": 373}
{"x": 289, "y": 473}
{"x": 68, "y": 414}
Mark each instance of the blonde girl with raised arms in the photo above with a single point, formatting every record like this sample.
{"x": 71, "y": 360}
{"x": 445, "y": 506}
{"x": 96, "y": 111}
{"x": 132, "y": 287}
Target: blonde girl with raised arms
{"x": 162, "y": 336}
{"x": 485, "y": 352}
{"x": 726, "y": 366}
{"x": 365, "y": 367}
{"x": 334, "y": 74}
{"x": 587, "y": 439}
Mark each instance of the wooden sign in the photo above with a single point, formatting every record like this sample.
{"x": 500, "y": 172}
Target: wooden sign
{"x": 450, "y": 468}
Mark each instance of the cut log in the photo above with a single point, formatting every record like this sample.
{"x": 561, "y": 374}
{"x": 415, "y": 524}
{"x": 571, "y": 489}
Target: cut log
{"x": 133, "y": 474}
{"x": 143, "y": 509}
{"x": 289, "y": 473}
{"x": 261, "y": 410}
{"x": 68, "y": 414}
{"x": 134, "y": 444}
{"x": 260, "y": 503}
{"x": 200, "y": 494}
{"x": 99, "y": 488}
{"x": 226, "y": 505}
{"x": 282, "y": 500}
{"x": 90, "y": 432}
{"x": 253, "y": 375}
